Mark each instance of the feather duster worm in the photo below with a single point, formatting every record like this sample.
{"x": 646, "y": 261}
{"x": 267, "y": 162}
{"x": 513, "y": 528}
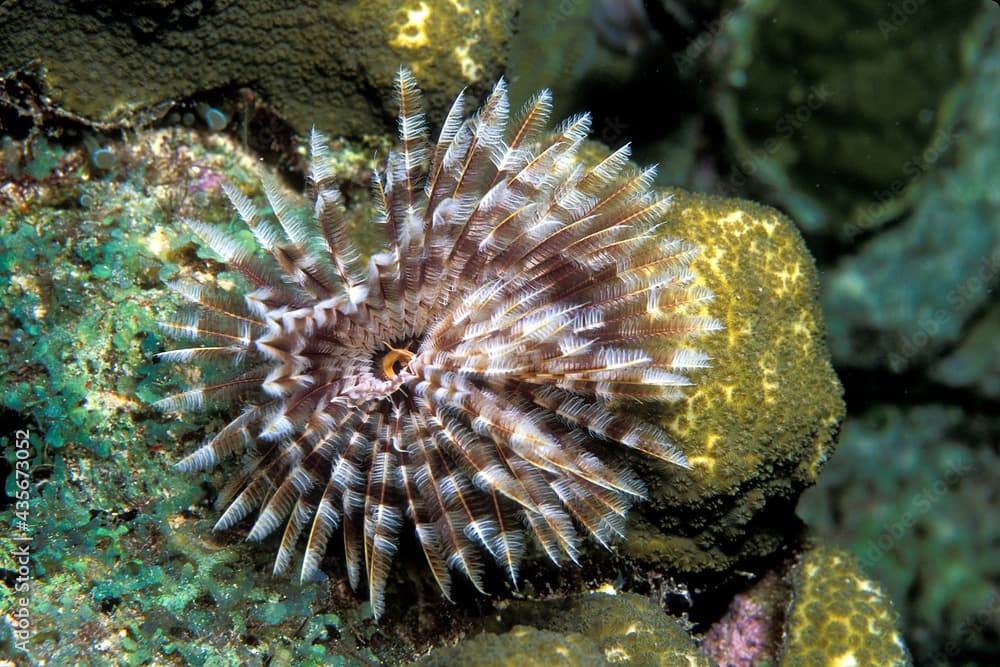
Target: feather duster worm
{"x": 456, "y": 382}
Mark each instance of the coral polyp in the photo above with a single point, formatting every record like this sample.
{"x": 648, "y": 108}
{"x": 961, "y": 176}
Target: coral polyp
{"x": 463, "y": 381}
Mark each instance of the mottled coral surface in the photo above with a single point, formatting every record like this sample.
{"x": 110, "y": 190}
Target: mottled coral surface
{"x": 327, "y": 64}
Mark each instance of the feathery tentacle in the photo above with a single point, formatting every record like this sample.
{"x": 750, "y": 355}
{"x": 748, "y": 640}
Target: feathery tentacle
{"x": 461, "y": 380}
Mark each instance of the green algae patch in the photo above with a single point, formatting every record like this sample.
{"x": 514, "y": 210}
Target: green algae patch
{"x": 838, "y": 616}
{"x": 124, "y": 567}
{"x": 316, "y": 63}
{"x": 578, "y": 631}
{"x": 759, "y": 424}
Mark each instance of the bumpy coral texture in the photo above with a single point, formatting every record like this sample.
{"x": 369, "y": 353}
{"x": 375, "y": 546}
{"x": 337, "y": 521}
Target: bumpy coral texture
{"x": 463, "y": 380}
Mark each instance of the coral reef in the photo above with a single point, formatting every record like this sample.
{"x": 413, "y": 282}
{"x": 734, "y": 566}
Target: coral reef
{"x": 904, "y": 223}
{"x": 316, "y": 63}
{"x": 817, "y": 609}
{"x": 913, "y": 321}
{"x": 81, "y": 241}
{"x": 882, "y": 321}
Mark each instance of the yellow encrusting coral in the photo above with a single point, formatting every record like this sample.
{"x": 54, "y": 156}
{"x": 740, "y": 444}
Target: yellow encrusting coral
{"x": 412, "y": 30}
{"x": 759, "y": 427}
{"x": 839, "y": 617}
{"x": 428, "y": 36}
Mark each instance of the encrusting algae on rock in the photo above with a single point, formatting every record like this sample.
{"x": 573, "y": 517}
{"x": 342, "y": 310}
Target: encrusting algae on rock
{"x": 817, "y": 609}
{"x": 581, "y": 630}
{"x": 463, "y": 379}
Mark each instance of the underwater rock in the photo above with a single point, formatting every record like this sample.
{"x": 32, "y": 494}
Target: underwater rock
{"x": 856, "y": 120}
{"x": 913, "y": 289}
{"x": 316, "y": 63}
{"x": 975, "y": 363}
{"x": 577, "y": 631}
{"x": 750, "y": 631}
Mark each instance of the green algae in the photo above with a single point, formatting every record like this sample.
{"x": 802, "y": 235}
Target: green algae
{"x": 123, "y": 572}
